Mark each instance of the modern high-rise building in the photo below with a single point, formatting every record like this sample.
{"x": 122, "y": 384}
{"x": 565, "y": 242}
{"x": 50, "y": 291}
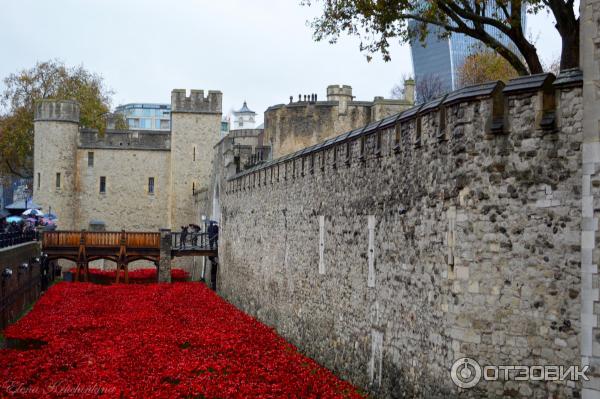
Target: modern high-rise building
{"x": 224, "y": 126}
{"x": 440, "y": 59}
{"x": 142, "y": 116}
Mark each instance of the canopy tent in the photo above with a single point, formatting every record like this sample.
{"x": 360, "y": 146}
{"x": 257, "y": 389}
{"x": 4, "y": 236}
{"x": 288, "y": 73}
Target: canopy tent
{"x": 4, "y": 213}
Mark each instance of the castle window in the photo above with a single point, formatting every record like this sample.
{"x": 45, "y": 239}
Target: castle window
{"x": 39, "y": 181}
{"x": 151, "y": 185}
{"x": 194, "y": 154}
{"x": 90, "y": 159}
{"x": 58, "y": 180}
{"x": 193, "y": 188}
{"x": 102, "y": 184}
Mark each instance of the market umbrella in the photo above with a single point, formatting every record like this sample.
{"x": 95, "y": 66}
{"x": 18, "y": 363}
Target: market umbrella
{"x": 47, "y": 222}
{"x": 16, "y": 219}
{"x": 32, "y": 212}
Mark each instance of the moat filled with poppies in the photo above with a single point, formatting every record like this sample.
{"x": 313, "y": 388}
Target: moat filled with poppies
{"x": 153, "y": 341}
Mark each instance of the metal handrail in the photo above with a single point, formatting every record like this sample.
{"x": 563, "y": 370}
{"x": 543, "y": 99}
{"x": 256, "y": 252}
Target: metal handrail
{"x": 192, "y": 241}
{"x": 15, "y": 238}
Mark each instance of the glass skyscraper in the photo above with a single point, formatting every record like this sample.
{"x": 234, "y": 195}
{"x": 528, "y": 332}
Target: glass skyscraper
{"x": 141, "y": 116}
{"x": 441, "y": 58}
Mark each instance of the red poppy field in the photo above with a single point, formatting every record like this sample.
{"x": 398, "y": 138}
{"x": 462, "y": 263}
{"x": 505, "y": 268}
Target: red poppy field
{"x": 139, "y": 276}
{"x": 153, "y": 341}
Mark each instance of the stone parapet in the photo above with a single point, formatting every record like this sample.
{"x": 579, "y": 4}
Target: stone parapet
{"x": 494, "y": 96}
{"x": 57, "y": 110}
{"x": 125, "y": 139}
{"x": 196, "y": 102}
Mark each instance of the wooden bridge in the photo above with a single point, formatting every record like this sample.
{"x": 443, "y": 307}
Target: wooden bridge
{"x": 121, "y": 247}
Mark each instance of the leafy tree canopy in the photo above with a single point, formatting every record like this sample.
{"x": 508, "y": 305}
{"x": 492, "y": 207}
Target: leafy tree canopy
{"x": 377, "y": 22}
{"x": 46, "y": 80}
{"x": 485, "y": 66}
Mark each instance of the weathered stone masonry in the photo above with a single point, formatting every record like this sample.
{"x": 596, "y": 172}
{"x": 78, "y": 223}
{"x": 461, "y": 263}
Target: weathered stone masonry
{"x": 590, "y": 256}
{"x": 445, "y": 231}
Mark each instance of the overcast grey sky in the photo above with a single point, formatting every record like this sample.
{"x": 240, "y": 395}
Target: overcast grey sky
{"x": 260, "y": 50}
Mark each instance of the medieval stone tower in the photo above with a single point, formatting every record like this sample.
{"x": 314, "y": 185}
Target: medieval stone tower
{"x": 343, "y": 94}
{"x": 55, "y": 153}
{"x": 195, "y": 126}
{"x": 126, "y": 179}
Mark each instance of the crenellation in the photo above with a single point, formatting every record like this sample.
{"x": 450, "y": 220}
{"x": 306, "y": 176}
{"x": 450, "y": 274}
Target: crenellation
{"x": 540, "y": 90}
{"x": 196, "y": 102}
{"x": 56, "y": 110}
{"x": 125, "y": 140}
{"x": 444, "y": 119}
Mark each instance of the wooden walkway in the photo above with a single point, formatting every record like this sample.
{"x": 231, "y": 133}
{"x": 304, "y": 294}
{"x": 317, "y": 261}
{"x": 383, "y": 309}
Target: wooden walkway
{"x": 120, "y": 247}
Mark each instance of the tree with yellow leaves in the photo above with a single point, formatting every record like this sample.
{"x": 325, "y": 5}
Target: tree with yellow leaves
{"x": 484, "y": 66}
{"x": 46, "y": 80}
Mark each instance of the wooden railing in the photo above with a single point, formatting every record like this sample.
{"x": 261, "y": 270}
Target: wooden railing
{"x": 101, "y": 239}
{"x": 61, "y": 238}
{"x": 143, "y": 240}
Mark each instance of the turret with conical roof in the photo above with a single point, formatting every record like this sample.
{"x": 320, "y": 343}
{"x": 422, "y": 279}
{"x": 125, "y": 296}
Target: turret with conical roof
{"x": 244, "y": 118}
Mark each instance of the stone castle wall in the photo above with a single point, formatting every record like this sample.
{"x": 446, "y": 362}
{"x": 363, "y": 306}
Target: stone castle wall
{"x": 179, "y": 161}
{"x": 22, "y": 288}
{"x": 293, "y": 126}
{"x": 450, "y": 230}
{"x": 126, "y": 204}
{"x": 590, "y": 254}
{"x": 298, "y": 125}
{"x": 55, "y": 151}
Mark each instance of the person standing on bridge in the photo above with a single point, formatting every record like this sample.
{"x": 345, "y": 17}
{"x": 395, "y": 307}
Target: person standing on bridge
{"x": 213, "y": 234}
{"x": 195, "y": 231}
{"x": 184, "y": 234}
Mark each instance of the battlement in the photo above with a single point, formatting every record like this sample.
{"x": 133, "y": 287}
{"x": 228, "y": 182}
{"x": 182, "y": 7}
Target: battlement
{"x": 196, "y": 102}
{"x": 497, "y": 107}
{"x": 334, "y": 92}
{"x": 57, "y": 110}
{"x": 152, "y": 140}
